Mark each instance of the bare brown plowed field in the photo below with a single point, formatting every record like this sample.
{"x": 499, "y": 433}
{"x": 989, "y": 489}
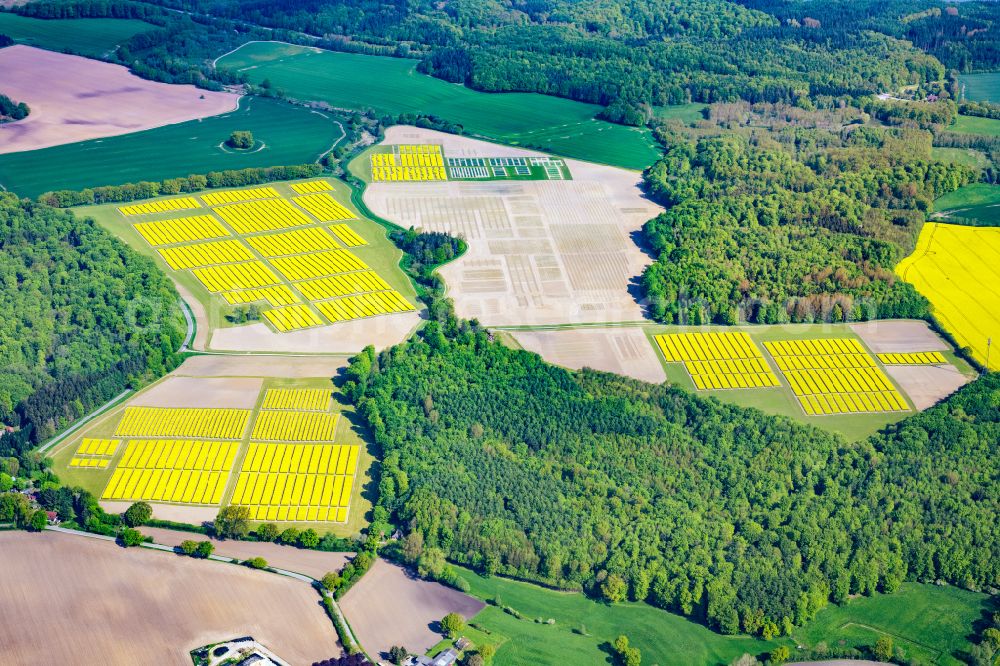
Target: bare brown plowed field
{"x": 388, "y": 606}
{"x": 540, "y": 252}
{"x": 231, "y": 392}
{"x": 624, "y": 351}
{"x": 72, "y": 600}
{"x": 74, "y": 99}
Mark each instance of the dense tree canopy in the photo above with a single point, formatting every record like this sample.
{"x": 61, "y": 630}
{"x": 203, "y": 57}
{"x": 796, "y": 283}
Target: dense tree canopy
{"x": 81, "y": 316}
{"x": 745, "y": 521}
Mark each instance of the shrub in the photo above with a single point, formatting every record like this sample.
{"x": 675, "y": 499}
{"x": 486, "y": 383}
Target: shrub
{"x": 204, "y": 549}
{"x": 130, "y": 537}
{"x": 268, "y": 532}
{"x": 188, "y": 546}
{"x": 138, "y": 514}
{"x": 256, "y": 563}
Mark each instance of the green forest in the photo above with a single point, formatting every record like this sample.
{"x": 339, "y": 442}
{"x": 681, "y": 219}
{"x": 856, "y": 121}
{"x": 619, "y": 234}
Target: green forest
{"x": 82, "y": 317}
{"x": 627, "y": 490}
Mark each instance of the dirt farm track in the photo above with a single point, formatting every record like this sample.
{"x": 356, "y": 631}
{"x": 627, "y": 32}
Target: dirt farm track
{"x": 71, "y": 600}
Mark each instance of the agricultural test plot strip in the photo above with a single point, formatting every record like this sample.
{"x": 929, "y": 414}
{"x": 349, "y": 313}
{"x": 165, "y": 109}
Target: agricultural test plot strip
{"x": 913, "y": 358}
{"x": 324, "y": 207}
{"x": 213, "y": 423}
{"x": 718, "y": 360}
{"x": 169, "y": 470}
{"x": 163, "y": 206}
{"x": 295, "y": 426}
{"x": 309, "y": 400}
{"x": 181, "y": 230}
{"x": 311, "y": 186}
{"x": 264, "y": 215}
{"x": 233, "y": 196}
{"x": 364, "y": 305}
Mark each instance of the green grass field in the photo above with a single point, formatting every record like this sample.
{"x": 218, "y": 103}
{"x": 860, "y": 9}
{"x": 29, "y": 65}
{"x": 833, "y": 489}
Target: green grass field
{"x": 928, "y": 622}
{"x": 976, "y": 125}
{"x": 287, "y": 135}
{"x": 962, "y": 156}
{"x": 380, "y": 254}
{"x": 980, "y": 87}
{"x": 977, "y": 204}
{"x": 392, "y": 86}
{"x": 89, "y": 37}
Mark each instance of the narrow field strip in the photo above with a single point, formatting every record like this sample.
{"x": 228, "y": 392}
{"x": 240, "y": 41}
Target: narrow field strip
{"x": 309, "y": 400}
{"x": 345, "y": 284}
{"x": 89, "y": 463}
{"x": 913, "y": 358}
{"x": 297, "y": 426}
{"x": 347, "y": 236}
{"x": 324, "y": 207}
{"x": 98, "y": 447}
{"x": 364, "y": 305}
{"x": 265, "y": 215}
{"x": 199, "y": 255}
{"x": 276, "y": 296}
{"x": 233, "y": 277}
{"x": 181, "y": 203}
{"x": 292, "y": 318}
{"x": 318, "y": 264}
{"x": 213, "y": 423}
{"x": 311, "y": 186}
{"x": 231, "y": 196}
{"x": 297, "y": 241}
{"x": 718, "y": 360}
{"x": 181, "y": 230}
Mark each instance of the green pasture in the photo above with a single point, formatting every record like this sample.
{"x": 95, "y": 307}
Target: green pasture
{"x": 981, "y": 87}
{"x": 349, "y": 431}
{"x": 975, "y": 205}
{"x": 392, "y": 86}
{"x": 929, "y": 623}
{"x": 380, "y": 254}
{"x": 584, "y": 629}
{"x": 961, "y": 156}
{"x": 94, "y": 37}
{"x": 976, "y": 125}
{"x": 285, "y": 135}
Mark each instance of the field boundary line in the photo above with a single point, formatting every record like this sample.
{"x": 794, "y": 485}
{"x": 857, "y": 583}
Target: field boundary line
{"x": 261, "y": 41}
{"x": 84, "y": 421}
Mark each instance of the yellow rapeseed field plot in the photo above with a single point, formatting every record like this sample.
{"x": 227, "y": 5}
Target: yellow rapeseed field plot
{"x": 98, "y": 447}
{"x": 213, "y": 253}
{"x": 347, "y": 236}
{"x": 292, "y": 318}
{"x": 232, "y": 277}
{"x": 364, "y": 305}
{"x": 318, "y": 264}
{"x": 89, "y": 463}
{"x": 230, "y": 196}
{"x": 214, "y": 423}
{"x": 311, "y": 186}
{"x": 835, "y": 376}
{"x": 384, "y": 159}
{"x": 296, "y": 241}
{"x": 409, "y": 163}
{"x": 181, "y": 230}
{"x": 297, "y": 482}
{"x": 957, "y": 268}
{"x": 167, "y": 470}
{"x": 309, "y": 400}
{"x": 297, "y": 426}
{"x": 265, "y": 215}
{"x": 913, "y": 358}
{"x": 324, "y": 207}
{"x": 181, "y": 203}
{"x": 358, "y": 282}
{"x": 718, "y": 360}
{"x": 276, "y": 296}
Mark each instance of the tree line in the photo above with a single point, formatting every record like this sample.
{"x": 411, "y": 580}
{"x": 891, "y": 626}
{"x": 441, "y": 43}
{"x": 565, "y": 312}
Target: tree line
{"x": 11, "y": 110}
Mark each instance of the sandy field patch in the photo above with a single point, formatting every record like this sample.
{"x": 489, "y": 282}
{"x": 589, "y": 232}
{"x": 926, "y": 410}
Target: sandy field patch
{"x": 101, "y": 603}
{"x": 927, "y": 384}
{"x": 179, "y": 513}
{"x": 624, "y": 351}
{"x": 390, "y": 607}
{"x": 309, "y": 562}
{"x": 888, "y": 335}
{"x": 74, "y": 99}
{"x": 347, "y": 337}
{"x": 540, "y": 252}
{"x": 234, "y": 392}
{"x": 291, "y": 367}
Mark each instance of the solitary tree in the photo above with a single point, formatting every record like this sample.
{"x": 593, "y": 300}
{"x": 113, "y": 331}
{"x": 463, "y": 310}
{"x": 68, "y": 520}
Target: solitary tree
{"x": 241, "y": 140}
{"x": 256, "y": 563}
{"x": 130, "y": 537}
{"x": 138, "y": 514}
{"x": 331, "y": 581}
{"x": 883, "y": 649}
{"x": 188, "y": 546}
{"x": 452, "y": 624}
{"x": 204, "y": 549}
{"x": 268, "y": 532}
{"x": 233, "y": 522}
{"x": 398, "y": 654}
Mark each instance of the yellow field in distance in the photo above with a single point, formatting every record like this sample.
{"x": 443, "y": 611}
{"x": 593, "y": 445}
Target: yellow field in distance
{"x": 276, "y": 296}
{"x": 318, "y": 264}
{"x": 214, "y": 423}
{"x": 407, "y": 174}
{"x": 181, "y": 230}
{"x": 265, "y": 215}
{"x": 297, "y": 241}
{"x": 324, "y": 207}
{"x": 311, "y": 186}
{"x": 230, "y": 196}
{"x": 718, "y": 360}
{"x": 213, "y": 253}
{"x": 364, "y": 305}
{"x": 183, "y": 471}
{"x": 296, "y": 426}
{"x": 181, "y": 203}
{"x": 233, "y": 277}
{"x": 347, "y": 236}
{"x": 89, "y": 463}
{"x": 292, "y": 318}
{"x": 98, "y": 447}
{"x": 358, "y": 282}
{"x": 913, "y": 358}
{"x": 835, "y": 376}
{"x": 957, "y": 268}
{"x": 309, "y": 400}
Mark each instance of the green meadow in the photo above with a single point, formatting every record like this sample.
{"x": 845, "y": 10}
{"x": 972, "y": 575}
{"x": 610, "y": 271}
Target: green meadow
{"x": 392, "y": 86}
{"x": 976, "y": 125}
{"x": 980, "y": 87}
{"x": 89, "y": 37}
{"x": 975, "y": 205}
{"x": 285, "y": 135}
